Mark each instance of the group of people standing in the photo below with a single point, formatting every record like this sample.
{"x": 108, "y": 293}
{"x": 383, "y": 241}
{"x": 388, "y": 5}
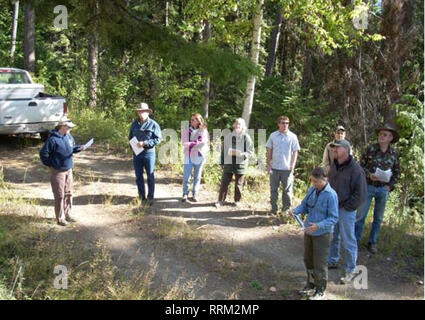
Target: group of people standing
{"x": 338, "y": 202}
{"x": 336, "y": 205}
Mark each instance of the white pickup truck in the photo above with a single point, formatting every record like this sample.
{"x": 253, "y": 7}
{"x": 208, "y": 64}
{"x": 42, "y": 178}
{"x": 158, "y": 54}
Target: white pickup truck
{"x": 24, "y": 107}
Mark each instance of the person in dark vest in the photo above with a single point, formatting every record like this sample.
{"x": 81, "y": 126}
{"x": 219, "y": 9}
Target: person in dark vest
{"x": 237, "y": 149}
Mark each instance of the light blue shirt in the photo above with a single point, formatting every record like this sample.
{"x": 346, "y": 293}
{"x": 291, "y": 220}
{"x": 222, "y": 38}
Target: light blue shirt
{"x": 321, "y": 209}
{"x": 282, "y": 145}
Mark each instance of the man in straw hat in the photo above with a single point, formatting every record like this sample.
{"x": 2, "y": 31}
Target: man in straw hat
{"x": 57, "y": 153}
{"x": 148, "y": 134}
{"x": 384, "y": 157}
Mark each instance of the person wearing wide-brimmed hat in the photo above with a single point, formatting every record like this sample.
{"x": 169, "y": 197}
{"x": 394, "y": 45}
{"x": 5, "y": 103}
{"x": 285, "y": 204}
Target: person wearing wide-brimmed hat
{"x": 148, "y": 133}
{"x": 57, "y": 153}
{"x": 383, "y": 156}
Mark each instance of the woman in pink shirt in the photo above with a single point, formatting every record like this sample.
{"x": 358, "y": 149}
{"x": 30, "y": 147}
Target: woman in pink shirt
{"x": 195, "y": 142}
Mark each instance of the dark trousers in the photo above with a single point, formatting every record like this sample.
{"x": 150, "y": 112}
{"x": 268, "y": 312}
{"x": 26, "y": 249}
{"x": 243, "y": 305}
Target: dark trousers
{"x": 225, "y": 181}
{"x": 316, "y": 251}
{"x": 145, "y": 161}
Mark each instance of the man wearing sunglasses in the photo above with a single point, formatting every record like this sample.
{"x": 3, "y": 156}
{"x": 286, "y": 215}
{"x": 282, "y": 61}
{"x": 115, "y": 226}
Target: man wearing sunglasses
{"x": 282, "y": 151}
{"x": 383, "y": 157}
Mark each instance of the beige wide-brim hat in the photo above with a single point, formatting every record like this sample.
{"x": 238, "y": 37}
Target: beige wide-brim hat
{"x": 67, "y": 123}
{"x": 143, "y": 107}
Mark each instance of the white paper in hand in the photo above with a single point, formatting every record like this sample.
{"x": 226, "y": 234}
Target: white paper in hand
{"x": 383, "y": 176}
{"x": 134, "y": 146}
{"x": 300, "y": 222}
{"x": 89, "y": 143}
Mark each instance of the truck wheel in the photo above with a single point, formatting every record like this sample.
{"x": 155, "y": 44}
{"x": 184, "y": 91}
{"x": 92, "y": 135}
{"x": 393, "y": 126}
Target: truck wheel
{"x": 44, "y": 135}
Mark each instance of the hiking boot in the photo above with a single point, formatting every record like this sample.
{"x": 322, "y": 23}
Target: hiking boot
{"x": 70, "y": 219}
{"x": 372, "y": 248}
{"x": 349, "y": 276}
{"x": 308, "y": 290}
{"x": 333, "y": 265}
{"x": 184, "y": 198}
{"x": 274, "y": 210}
{"x": 237, "y": 204}
{"x": 319, "y": 294}
{"x": 62, "y": 223}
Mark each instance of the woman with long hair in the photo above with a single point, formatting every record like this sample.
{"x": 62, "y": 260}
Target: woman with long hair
{"x": 195, "y": 140}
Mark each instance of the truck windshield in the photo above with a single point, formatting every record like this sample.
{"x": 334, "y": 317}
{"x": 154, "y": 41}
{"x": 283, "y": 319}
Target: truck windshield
{"x": 13, "y": 77}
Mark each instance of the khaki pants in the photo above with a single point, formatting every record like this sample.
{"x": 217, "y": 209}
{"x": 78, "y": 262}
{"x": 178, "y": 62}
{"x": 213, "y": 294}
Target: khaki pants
{"x": 61, "y": 182}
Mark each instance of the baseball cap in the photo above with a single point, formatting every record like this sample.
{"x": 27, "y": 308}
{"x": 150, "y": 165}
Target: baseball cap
{"x": 341, "y": 143}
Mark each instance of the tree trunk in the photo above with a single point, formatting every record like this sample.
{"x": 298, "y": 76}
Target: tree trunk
{"x": 14, "y": 29}
{"x": 274, "y": 41}
{"x": 255, "y": 52}
{"x": 93, "y": 51}
{"x": 399, "y": 39}
{"x": 167, "y": 4}
{"x": 307, "y": 70}
{"x": 283, "y": 52}
{"x": 206, "y": 35}
{"x": 29, "y": 37}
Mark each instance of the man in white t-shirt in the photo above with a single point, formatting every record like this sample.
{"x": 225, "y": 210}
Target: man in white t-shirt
{"x": 282, "y": 152}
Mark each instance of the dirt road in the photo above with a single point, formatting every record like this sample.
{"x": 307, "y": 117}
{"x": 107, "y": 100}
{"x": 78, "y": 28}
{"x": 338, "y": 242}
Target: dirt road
{"x": 213, "y": 253}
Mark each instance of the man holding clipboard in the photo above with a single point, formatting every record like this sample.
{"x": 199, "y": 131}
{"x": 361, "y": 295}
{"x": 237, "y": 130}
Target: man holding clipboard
{"x": 381, "y": 165}
{"x": 145, "y": 134}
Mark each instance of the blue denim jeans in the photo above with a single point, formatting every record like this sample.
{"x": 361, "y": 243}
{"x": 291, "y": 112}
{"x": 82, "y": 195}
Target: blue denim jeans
{"x": 195, "y": 163}
{"x": 146, "y": 161}
{"x": 344, "y": 229}
{"x": 381, "y": 196}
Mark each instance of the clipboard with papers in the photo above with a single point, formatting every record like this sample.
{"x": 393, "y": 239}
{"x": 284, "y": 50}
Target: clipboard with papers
{"x": 383, "y": 175}
{"x": 136, "y": 149}
{"x": 89, "y": 143}
{"x": 300, "y": 222}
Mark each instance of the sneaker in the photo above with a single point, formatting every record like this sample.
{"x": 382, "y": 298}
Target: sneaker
{"x": 70, "y": 219}
{"x": 218, "y": 204}
{"x": 372, "y": 248}
{"x": 349, "y": 276}
{"x": 307, "y": 290}
{"x": 150, "y": 202}
{"x": 62, "y": 223}
{"x": 237, "y": 204}
{"x": 333, "y": 265}
{"x": 195, "y": 198}
{"x": 184, "y": 198}
{"x": 318, "y": 295}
